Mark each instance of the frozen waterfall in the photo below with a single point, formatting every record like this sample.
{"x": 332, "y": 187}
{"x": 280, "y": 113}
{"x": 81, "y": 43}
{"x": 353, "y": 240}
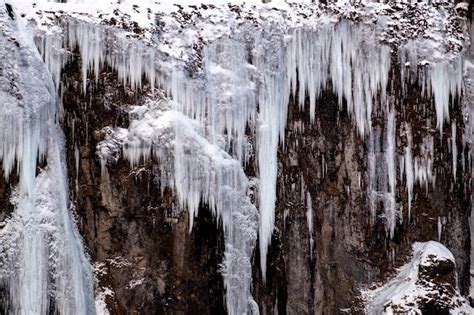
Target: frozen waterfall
{"x": 43, "y": 266}
{"x": 219, "y": 99}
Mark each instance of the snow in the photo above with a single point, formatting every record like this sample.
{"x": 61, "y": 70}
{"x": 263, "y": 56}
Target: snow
{"x": 404, "y": 292}
{"x": 100, "y": 305}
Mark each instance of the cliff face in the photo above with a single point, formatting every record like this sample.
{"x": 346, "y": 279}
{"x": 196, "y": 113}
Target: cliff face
{"x": 260, "y": 159}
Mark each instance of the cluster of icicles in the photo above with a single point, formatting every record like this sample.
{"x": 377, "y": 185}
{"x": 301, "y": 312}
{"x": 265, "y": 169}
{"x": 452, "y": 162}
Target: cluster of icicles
{"x": 43, "y": 266}
{"x": 244, "y": 91}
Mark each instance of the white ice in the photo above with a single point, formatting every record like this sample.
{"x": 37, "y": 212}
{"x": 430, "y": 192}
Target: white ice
{"x": 198, "y": 171}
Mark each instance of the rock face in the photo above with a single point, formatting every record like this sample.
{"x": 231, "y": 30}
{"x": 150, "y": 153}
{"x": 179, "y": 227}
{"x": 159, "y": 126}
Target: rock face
{"x": 372, "y": 155}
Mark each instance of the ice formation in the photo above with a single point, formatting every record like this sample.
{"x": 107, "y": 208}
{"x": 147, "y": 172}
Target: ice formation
{"x": 309, "y": 219}
{"x": 390, "y": 207}
{"x": 454, "y": 149}
{"x": 408, "y": 163}
{"x": 198, "y": 171}
{"x": 43, "y": 266}
{"x": 382, "y": 181}
{"x": 230, "y": 84}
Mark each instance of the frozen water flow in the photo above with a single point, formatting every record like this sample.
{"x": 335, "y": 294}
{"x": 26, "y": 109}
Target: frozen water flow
{"x": 42, "y": 262}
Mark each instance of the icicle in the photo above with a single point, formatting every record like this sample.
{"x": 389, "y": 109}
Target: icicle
{"x": 51, "y": 49}
{"x": 454, "y": 148}
{"x": 409, "y": 169}
{"x": 423, "y": 165}
{"x": 90, "y": 41}
{"x": 371, "y": 177}
{"x": 390, "y": 211}
{"x": 99, "y": 45}
{"x": 438, "y": 78}
{"x": 440, "y": 227}
{"x": 77, "y": 161}
{"x": 273, "y": 106}
{"x": 309, "y": 219}
{"x": 323, "y": 166}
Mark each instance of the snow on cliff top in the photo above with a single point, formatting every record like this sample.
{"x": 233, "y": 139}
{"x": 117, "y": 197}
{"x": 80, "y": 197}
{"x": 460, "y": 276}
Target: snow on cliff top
{"x": 182, "y": 27}
{"x": 142, "y": 11}
{"x": 139, "y": 11}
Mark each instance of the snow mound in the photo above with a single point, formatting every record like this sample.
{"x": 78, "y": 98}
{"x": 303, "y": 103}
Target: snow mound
{"x": 427, "y": 284}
